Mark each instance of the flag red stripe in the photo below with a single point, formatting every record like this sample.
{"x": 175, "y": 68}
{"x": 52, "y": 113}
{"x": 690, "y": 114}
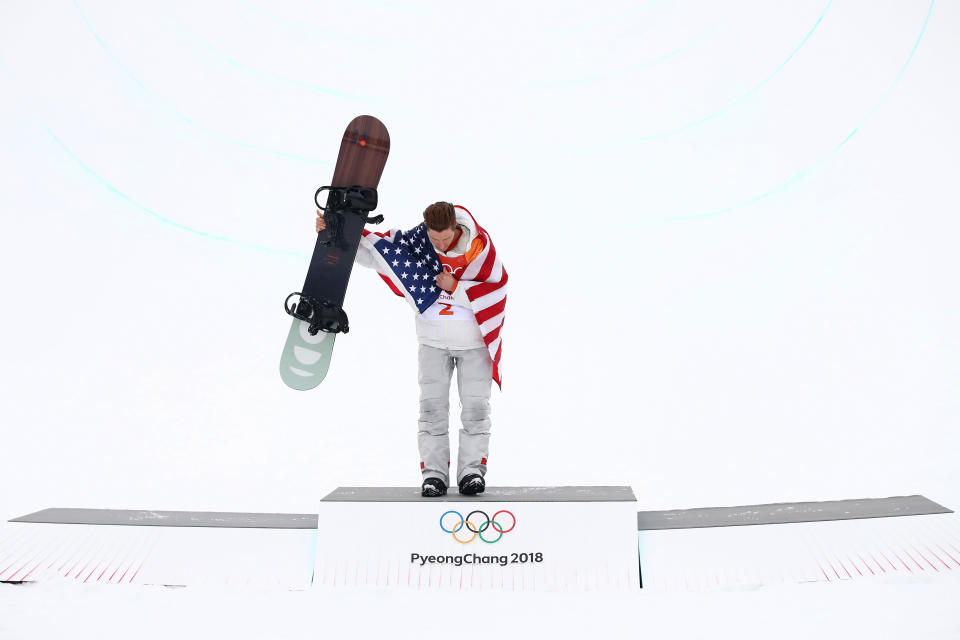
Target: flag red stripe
{"x": 390, "y": 284}
{"x": 488, "y": 264}
{"x": 490, "y": 337}
{"x": 482, "y": 289}
{"x": 485, "y": 314}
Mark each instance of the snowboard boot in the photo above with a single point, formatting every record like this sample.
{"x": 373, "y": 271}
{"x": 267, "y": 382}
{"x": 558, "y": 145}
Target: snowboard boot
{"x": 472, "y": 484}
{"x": 433, "y": 487}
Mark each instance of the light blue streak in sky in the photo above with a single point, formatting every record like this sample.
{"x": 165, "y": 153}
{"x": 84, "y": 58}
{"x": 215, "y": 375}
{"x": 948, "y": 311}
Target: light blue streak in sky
{"x": 588, "y": 26}
{"x": 266, "y": 74}
{"x": 627, "y": 143}
{"x": 744, "y": 97}
{"x": 112, "y": 189}
{"x": 163, "y": 219}
{"x": 796, "y": 178}
{"x": 343, "y": 34}
{"x": 180, "y": 115}
{"x": 792, "y": 181}
{"x": 696, "y": 41}
{"x": 643, "y": 65}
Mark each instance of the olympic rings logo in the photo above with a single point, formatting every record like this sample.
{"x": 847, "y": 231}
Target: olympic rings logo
{"x": 477, "y": 529}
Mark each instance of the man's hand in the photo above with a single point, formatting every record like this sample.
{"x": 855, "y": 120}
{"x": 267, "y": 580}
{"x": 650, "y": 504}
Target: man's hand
{"x": 321, "y": 225}
{"x": 446, "y": 282}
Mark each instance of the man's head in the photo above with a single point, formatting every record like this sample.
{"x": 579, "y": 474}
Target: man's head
{"x": 441, "y": 221}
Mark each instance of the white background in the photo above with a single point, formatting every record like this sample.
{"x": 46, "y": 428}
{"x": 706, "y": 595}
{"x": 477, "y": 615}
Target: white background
{"x": 730, "y": 229}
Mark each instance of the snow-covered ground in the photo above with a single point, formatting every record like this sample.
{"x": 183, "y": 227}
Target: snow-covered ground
{"x": 910, "y": 609}
{"x": 729, "y": 228}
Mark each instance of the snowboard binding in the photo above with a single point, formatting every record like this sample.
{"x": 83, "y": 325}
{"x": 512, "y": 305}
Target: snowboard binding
{"x": 322, "y": 314}
{"x": 345, "y": 200}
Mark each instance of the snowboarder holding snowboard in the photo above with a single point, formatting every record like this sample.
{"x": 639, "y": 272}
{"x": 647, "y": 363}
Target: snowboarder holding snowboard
{"x": 448, "y": 270}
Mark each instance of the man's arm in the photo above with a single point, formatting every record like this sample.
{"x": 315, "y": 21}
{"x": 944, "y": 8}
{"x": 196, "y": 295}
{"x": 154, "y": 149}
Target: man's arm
{"x": 452, "y": 286}
{"x": 460, "y": 296}
{"x": 491, "y": 285}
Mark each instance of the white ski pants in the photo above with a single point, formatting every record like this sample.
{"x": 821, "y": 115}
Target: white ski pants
{"x": 474, "y": 376}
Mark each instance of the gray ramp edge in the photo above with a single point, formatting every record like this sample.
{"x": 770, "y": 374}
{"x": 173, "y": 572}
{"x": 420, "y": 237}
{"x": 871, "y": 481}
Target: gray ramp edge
{"x": 492, "y": 494}
{"x": 788, "y": 512}
{"x": 309, "y": 521}
{"x": 174, "y": 518}
{"x": 782, "y": 513}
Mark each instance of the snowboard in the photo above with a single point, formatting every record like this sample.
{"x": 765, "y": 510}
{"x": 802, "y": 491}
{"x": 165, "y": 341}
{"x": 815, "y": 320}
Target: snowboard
{"x": 317, "y": 309}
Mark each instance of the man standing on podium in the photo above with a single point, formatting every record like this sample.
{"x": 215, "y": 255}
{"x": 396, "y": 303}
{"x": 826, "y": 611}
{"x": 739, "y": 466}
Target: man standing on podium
{"x": 449, "y": 271}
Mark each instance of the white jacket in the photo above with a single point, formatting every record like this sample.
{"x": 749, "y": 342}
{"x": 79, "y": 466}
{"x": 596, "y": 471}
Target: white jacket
{"x": 449, "y": 323}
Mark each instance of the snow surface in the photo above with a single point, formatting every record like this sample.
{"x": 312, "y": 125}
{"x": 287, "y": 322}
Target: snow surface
{"x": 759, "y": 203}
{"x": 909, "y": 609}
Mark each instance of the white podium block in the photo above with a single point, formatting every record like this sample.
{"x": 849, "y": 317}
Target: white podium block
{"x": 519, "y": 538}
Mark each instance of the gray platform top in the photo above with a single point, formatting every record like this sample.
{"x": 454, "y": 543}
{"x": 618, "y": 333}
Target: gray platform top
{"x": 492, "y": 494}
{"x": 781, "y": 513}
{"x": 174, "y": 518}
{"x": 785, "y": 513}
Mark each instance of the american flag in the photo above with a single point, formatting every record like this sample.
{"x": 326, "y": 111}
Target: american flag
{"x": 409, "y": 265}
{"x": 411, "y": 261}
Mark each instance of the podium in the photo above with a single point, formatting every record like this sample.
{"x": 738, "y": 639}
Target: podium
{"x": 518, "y": 538}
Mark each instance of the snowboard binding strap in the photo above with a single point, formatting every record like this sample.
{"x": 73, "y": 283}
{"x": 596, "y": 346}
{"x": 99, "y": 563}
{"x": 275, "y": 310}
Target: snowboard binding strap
{"x": 322, "y": 314}
{"x": 340, "y": 200}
